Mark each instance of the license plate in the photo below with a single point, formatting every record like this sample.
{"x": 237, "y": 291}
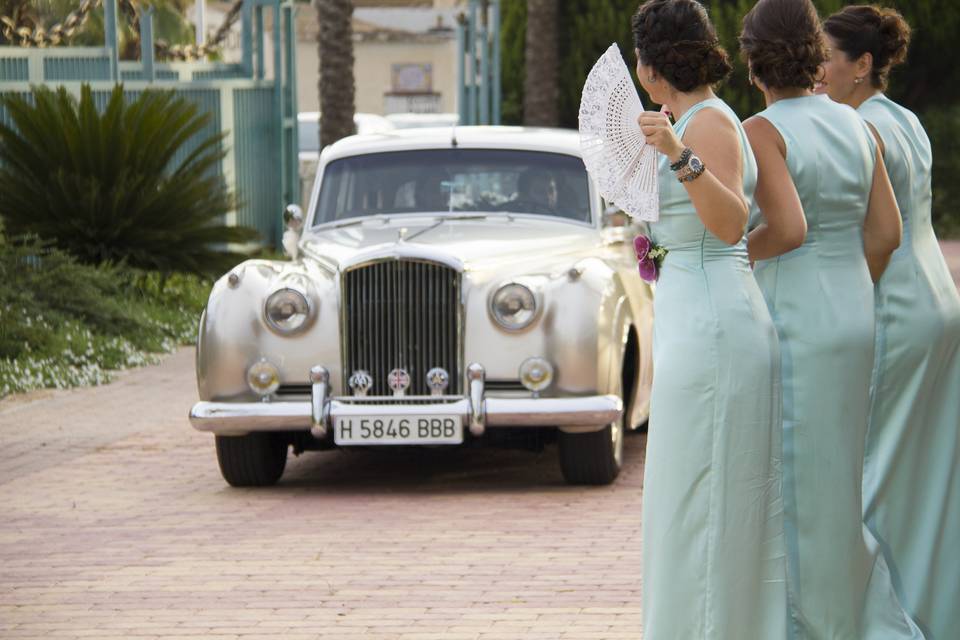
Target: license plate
{"x": 398, "y": 430}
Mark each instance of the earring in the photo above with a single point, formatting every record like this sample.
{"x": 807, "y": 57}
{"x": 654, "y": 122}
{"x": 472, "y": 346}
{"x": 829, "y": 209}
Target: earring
{"x": 857, "y": 80}
{"x": 651, "y": 78}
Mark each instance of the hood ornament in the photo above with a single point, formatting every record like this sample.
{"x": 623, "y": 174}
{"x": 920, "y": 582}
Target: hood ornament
{"x": 360, "y": 383}
{"x": 399, "y": 382}
{"x": 438, "y": 380}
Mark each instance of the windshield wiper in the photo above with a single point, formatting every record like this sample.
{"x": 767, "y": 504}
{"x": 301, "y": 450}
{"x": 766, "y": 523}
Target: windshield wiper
{"x": 350, "y": 222}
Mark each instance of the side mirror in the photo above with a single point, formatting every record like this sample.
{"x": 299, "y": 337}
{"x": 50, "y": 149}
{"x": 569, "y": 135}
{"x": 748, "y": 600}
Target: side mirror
{"x": 293, "y": 218}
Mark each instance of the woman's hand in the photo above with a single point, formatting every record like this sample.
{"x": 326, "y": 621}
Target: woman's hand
{"x": 659, "y": 132}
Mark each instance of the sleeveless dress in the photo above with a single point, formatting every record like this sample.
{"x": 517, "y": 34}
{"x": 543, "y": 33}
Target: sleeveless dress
{"x": 821, "y": 299}
{"x": 911, "y": 482}
{"x": 713, "y": 556}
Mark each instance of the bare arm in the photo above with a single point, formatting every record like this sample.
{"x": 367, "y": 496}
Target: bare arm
{"x": 882, "y": 228}
{"x": 784, "y": 226}
{"x": 717, "y": 195}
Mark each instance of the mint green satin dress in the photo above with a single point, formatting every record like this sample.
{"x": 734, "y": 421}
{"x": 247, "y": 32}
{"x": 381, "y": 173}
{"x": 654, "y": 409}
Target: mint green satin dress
{"x": 713, "y": 555}
{"x": 821, "y": 299}
{"x": 911, "y": 481}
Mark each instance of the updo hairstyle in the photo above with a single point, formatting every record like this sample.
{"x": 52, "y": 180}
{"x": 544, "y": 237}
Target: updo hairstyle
{"x": 879, "y": 31}
{"x": 677, "y": 39}
{"x": 783, "y": 44}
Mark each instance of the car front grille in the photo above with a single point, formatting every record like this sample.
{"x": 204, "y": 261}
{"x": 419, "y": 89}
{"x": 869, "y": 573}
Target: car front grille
{"x": 402, "y": 314}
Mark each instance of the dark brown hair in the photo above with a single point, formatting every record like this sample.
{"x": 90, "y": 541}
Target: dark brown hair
{"x": 881, "y": 32}
{"x": 783, "y": 44}
{"x": 677, "y": 39}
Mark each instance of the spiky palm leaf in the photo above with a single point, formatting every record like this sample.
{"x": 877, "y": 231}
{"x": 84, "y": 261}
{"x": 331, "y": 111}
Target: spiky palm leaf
{"x": 117, "y": 185}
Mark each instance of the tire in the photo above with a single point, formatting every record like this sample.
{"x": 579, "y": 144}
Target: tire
{"x": 253, "y": 460}
{"x": 593, "y": 458}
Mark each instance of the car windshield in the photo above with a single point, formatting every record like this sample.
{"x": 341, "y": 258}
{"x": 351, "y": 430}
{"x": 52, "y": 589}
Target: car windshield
{"x": 454, "y": 181}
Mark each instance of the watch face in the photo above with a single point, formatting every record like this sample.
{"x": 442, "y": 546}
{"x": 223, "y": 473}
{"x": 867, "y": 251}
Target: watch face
{"x": 695, "y": 163}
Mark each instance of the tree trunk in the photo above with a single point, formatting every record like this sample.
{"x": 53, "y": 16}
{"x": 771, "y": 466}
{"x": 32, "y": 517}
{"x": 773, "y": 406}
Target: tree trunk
{"x": 541, "y": 85}
{"x": 336, "y": 84}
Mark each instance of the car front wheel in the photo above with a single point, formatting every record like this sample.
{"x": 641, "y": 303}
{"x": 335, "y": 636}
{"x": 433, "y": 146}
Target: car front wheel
{"x": 593, "y": 458}
{"x": 253, "y": 460}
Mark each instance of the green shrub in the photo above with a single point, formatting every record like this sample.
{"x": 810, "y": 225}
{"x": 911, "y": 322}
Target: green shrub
{"x": 117, "y": 186}
{"x": 943, "y": 127}
{"x": 63, "y": 323}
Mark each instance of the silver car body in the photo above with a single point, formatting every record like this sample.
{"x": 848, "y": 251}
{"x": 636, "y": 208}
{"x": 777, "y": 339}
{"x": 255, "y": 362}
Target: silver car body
{"x": 594, "y": 316}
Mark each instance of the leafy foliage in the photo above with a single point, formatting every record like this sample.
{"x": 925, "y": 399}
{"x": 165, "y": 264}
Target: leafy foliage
{"x": 121, "y": 186}
{"x": 929, "y": 83}
{"x": 512, "y": 40}
{"x": 63, "y": 323}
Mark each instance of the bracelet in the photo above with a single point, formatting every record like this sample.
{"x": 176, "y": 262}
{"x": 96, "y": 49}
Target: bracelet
{"x": 684, "y": 159}
{"x": 692, "y": 174}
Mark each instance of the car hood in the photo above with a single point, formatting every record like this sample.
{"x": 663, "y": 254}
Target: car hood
{"x": 467, "y": 244}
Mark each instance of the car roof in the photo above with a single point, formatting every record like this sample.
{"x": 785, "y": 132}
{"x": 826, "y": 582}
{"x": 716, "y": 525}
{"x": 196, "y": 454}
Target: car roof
{"x": 566, "y": 141}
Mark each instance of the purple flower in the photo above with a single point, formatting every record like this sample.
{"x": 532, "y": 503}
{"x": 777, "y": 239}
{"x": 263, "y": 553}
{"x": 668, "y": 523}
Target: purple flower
{"x": 642, "y": 244}
{"x": 648, "y": 270}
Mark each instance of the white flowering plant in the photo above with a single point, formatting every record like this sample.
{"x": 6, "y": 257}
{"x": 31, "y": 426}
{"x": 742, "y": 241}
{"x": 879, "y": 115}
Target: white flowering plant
{"x": 65, "y": 324}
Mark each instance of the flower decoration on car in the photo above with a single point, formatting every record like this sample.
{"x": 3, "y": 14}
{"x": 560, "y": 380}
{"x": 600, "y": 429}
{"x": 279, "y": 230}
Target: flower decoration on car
{"x": 650, "y": 256}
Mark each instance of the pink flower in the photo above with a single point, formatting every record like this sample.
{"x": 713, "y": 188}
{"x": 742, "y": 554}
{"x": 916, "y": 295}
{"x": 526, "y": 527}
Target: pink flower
{"x": 648, "y": 270}
{"x": 642, "y": 244}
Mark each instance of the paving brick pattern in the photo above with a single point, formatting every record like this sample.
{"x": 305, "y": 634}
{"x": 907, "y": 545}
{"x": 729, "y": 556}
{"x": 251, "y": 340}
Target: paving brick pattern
{"x": 116, "y": 524}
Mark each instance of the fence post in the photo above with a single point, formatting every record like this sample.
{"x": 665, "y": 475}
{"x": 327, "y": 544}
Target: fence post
{"x": 110, "y": 36}
{"x": 482, "y": 40}
{"x": 257, "y": 41}
{"x": 472, "y": 63}
{"x": 496, "y": 62}
{"x": 146, "y": 43}
{"x": 461, "y": 71}
{"x": 246, "y": 37}
{"x": 291, "y": 135}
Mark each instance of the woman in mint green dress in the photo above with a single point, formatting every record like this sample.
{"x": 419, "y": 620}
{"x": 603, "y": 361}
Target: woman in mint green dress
{"x": 818, "y": 157}
{"x": 911, "y": 484}
{"x": 713, "y": 557}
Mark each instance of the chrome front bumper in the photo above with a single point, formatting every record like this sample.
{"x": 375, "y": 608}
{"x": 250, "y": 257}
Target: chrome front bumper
{"x": 578, "y": 414}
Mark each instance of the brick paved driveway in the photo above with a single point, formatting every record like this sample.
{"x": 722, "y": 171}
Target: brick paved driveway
{"x": 116, "y": 524}
{"x": 119, "y": 526}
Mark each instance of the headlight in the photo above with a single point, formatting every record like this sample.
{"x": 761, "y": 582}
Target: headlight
{"x": 287, "y": 311}
{"x": 514, "y": 306}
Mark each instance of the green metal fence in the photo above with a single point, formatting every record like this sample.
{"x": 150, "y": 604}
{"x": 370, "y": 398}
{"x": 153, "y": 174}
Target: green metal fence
{"x": 257, "y": 113}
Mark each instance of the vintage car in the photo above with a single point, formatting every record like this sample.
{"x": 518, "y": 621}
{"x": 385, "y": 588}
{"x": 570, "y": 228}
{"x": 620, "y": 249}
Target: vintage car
{"x": 447, "y": 287}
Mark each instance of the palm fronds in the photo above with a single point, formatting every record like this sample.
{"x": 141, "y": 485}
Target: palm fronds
{"x": 133, "y": 183}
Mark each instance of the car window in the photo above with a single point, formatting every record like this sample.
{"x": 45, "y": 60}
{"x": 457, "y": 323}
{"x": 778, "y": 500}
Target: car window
{"x": 454, "y": 180}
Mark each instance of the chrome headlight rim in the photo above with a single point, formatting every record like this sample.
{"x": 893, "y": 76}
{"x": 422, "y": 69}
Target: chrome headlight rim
{"x": 289, "y": 331}
{"x": 535, "y": 296}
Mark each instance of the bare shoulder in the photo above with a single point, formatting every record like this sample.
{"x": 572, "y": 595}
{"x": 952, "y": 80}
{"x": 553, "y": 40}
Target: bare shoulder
{"x": 711, "y": 125}
{"x": 762, "y": 134}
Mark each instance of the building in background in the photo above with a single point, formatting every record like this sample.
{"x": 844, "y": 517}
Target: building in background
{"x": 404, "y": 53}
{"x": 404, "y": 57}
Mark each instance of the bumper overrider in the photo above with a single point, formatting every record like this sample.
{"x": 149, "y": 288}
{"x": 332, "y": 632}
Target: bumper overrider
{"x": 575, "y": 414}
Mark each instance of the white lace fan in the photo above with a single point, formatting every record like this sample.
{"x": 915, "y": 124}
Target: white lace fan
{"x": 614, "y": 149}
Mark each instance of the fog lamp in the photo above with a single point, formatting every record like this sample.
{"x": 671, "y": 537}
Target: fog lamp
{"x": 263, "y": 378}
{"x": 536, "y": 374}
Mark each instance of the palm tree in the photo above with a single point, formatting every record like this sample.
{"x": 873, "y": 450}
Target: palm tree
{"x": 541, "y": 84}
{"x": 336, "y": 82}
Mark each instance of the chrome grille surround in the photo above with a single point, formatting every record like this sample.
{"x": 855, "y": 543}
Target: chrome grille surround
{"x": 405, "y": 313}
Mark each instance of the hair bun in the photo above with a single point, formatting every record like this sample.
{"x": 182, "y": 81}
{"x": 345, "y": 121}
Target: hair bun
{"x": 894, "y": 36}
{"x": 783, "y": 43}
{"x": 676, "y": 38}
{"x": 881, "y": 32}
